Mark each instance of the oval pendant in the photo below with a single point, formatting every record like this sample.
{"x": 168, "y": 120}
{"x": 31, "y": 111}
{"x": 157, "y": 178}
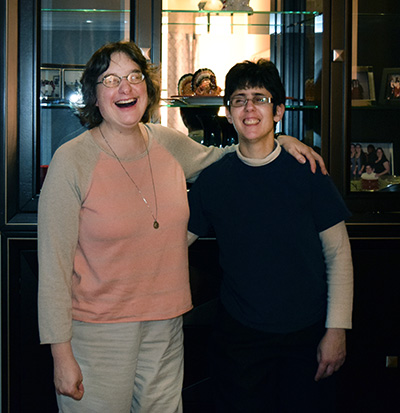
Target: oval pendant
{"x": 156, "y": 225}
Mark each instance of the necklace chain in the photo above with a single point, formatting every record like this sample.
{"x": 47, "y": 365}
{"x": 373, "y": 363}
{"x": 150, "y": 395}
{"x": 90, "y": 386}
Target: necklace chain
{"x": 156, "y": 224}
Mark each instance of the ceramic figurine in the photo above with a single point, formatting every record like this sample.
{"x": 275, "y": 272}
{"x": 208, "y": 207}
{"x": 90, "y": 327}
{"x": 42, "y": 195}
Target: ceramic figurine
{"x": 237, "y": 5}
{"x": 210, "y": 5}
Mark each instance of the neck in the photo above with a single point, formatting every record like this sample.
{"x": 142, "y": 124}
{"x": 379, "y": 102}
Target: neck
{"x": 125, "y": 142}
{"x": 255, "y": 162}
{"x": 256, "y": 149}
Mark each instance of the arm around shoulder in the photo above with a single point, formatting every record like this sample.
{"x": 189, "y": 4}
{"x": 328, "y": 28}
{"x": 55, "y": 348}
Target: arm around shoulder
{"x": 302, "y": 152}
{"x": 192, "y": 156}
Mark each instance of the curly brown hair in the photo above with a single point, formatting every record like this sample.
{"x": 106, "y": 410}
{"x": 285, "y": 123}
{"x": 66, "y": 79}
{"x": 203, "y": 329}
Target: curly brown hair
{"x": 89, "y": 114}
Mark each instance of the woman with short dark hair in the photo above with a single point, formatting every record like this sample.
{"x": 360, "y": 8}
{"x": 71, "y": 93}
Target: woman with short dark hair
{"x": 112, "y": 231}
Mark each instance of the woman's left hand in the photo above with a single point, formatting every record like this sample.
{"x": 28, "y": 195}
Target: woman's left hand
{"x": 300, "y": 151}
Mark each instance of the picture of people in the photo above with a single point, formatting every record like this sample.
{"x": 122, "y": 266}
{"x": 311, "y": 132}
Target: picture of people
{"x": 49, "y": 84}
{"x": 394, "y": 87}
{"x": 371, "y": 166}
{"x": 381, "y": 164}
{"x": 358, "y": 160}
{"x": 369, "y": 179}
{"x": 390, "y": 86}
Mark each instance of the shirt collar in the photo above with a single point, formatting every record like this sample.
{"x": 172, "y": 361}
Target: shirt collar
{"x": 260, "y": 162}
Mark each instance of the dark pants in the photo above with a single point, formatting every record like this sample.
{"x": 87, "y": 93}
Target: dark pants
{"x": 254, "y": 371}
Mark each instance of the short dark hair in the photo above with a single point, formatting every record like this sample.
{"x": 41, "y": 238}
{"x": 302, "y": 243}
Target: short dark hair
{"x": 262, "y": 73}
{"x": 100, "y": 61}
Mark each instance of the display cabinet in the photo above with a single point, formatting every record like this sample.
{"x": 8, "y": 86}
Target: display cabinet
{"x": 375, "y": 99}
{"x": 338, "y": 60}
{"x": 365, "y": 113}
{"x": 27, "y": 367}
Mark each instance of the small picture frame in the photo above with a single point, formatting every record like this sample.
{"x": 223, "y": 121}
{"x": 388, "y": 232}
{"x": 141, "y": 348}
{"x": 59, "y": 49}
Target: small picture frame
{"x": 50, "y": 84}
{"x": 72, "y": 88}
{"x": 365, "y": 179}
{"x": 363, "y": 88}
{"x": 390, "y": 87}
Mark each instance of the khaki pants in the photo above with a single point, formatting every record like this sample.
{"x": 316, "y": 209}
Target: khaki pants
{"x": 128, "y": 367}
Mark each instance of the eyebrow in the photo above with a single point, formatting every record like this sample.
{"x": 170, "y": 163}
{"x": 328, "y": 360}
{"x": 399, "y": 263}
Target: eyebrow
{"x": 243, "y": 94}
{"x": 132, "y": 71}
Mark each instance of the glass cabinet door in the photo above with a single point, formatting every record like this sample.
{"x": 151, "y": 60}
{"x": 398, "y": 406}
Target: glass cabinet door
{"x": 70, "y": 32}
{"x": 195, "y": 37}
{"x": 375, "y": 98}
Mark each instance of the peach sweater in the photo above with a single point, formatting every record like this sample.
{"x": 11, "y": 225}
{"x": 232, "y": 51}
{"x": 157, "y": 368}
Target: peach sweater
{"x": 100, "y": 259}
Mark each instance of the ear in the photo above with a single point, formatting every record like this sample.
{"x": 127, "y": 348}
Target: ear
{"x": 280, "y": 110}
{"x": 228, "y": 115}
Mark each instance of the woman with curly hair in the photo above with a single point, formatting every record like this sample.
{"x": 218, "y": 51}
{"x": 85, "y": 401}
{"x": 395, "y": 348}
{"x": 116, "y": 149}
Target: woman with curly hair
{"x": 113, "y": 261}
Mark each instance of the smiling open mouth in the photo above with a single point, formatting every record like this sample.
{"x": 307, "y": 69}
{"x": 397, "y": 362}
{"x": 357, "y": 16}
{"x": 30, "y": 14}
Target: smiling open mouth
{"x": 126, "y": 103}
{"x": 251, "y": 121}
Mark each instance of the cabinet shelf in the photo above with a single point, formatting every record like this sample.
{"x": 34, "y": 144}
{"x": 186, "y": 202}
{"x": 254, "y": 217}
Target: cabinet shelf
{"x": 177, "y": 104}
{"x": 380, "y": 15}
{"x": 282, "y": 13}
{"x": 85, "y": 10}
{"x": 377, "y": 107}
{"x": 84, "y": 19}
{"x": 279, "y": 20}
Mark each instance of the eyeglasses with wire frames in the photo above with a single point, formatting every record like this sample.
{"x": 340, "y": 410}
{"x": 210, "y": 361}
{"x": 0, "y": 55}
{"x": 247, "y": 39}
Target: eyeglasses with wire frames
{"x": 240, "y": 101}
{"x": 133, "y": 78}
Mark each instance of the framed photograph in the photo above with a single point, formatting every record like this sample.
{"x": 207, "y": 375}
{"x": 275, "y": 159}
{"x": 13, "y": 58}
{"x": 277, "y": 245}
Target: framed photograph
{"x": 363, "y": 88}
{"x": 72, "y": 88}
{"x": 390, "y": 86}
{"x": 50, "y": 84}
{"x": 368, "y": 163}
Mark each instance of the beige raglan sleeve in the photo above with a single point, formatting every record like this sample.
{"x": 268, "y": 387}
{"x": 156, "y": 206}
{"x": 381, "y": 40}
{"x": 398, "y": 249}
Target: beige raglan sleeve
{"x": 339, "y": 267}
{"x": 192, "y": 156}
{"x": 60, "y": 202}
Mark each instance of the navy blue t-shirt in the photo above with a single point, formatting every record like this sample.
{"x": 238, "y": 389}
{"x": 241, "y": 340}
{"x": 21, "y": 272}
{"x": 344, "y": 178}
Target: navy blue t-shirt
{"x": 267, "y": 221}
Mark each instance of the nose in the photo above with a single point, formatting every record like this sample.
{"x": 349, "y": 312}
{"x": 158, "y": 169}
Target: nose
{"x": 124, "y": 84}
{"x": 249, "y": 105}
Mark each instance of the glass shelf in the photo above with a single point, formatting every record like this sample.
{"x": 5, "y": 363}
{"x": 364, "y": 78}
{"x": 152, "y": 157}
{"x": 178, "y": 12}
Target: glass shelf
{"x": 377, "y": 107}
{"x": 178, "y": 104}
{"x": 66, "y": 105}
{"x": 86, "y": 10}
{"x": 380, "y": 15}
{"x": 84, "y": 18}
{"x": 256, "y": 18}
{"x": 303, "y": 13}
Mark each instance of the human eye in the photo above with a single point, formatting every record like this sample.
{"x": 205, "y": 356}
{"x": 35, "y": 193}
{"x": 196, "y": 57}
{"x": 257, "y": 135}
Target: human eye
{"x": 260, "y": 100}
{"x": 111, "y": 80}
{"x": 238, "y": 101}
{"x": 135, "y": 77}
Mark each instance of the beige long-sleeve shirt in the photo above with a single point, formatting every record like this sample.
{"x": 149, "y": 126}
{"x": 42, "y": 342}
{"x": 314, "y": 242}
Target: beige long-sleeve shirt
{"x": 100, "y": 259}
